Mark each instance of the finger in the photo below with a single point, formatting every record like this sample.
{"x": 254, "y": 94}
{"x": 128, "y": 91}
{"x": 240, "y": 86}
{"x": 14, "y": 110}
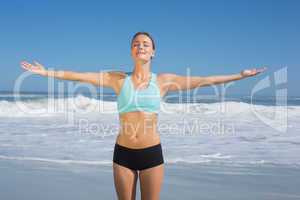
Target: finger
{"x": 24, "y": 66}
{"x": 22, "y": 62}
{"x": 29, "y": 67}
{"x": 27, "y": 64}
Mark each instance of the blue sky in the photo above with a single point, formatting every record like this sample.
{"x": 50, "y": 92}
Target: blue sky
{"x": 208, "y": 37}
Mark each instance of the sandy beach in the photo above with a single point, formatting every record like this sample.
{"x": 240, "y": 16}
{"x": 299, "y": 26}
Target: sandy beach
{"x": 41, "y": 180}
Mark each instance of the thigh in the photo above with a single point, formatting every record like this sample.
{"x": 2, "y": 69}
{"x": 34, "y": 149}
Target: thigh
{"x": 151, "y": 180}
{"x": 125, "y": 181}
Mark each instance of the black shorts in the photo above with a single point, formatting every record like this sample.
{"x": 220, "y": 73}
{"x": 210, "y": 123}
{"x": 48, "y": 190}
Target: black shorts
{"x": 138, "y": 159}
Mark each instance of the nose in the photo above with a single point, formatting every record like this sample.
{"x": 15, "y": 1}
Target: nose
{"x": 140, "y": 46}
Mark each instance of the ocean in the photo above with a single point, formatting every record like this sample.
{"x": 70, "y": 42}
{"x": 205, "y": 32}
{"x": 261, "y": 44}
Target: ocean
{"x": 81, "y": 129}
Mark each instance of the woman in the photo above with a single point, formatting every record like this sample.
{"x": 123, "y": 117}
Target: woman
{"x": 138, "y": 151}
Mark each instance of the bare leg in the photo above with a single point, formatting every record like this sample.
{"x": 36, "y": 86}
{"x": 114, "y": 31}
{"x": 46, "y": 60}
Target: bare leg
{"x": 125, "y": 182}
{"x": 151, "y": 181}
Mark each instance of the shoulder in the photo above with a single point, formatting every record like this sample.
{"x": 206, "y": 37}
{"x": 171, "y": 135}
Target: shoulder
{"x": 116, "y": 75}
{"x": 166, "y": 76}
{"x": 119, "y": 77}
{"x": 113, "y": 78}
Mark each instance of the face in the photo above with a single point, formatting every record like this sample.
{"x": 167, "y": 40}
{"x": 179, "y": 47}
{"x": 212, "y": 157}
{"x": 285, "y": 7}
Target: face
{"x": 142, "y": 49}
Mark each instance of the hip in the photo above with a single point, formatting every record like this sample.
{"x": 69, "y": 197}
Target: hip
{"x": 138, "y": 159}
{"x": 139, "y": 140}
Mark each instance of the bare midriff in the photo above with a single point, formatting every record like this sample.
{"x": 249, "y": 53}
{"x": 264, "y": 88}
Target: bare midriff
{"x": 138, "y": 130}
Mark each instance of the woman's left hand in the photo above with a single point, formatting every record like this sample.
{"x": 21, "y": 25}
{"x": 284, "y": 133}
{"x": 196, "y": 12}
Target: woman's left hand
{"x": 252, "y": 72}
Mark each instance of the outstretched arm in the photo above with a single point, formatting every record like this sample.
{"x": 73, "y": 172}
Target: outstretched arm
{"x": 175, "y": 82}
{"x": 99, "y": 79}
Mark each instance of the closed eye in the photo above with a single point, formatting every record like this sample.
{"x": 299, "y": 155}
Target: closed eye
{"x": 145, "y": 43}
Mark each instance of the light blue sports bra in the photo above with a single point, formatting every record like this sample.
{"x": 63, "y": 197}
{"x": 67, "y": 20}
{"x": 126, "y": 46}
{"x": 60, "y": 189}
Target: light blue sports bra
{"x": 131, "y": 99}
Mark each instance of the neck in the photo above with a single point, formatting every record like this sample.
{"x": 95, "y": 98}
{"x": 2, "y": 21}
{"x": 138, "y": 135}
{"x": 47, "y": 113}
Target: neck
{"x": 142, "y": 70}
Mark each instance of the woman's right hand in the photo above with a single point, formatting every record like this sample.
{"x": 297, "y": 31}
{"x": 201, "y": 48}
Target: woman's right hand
{"x": 36, "y": 68}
